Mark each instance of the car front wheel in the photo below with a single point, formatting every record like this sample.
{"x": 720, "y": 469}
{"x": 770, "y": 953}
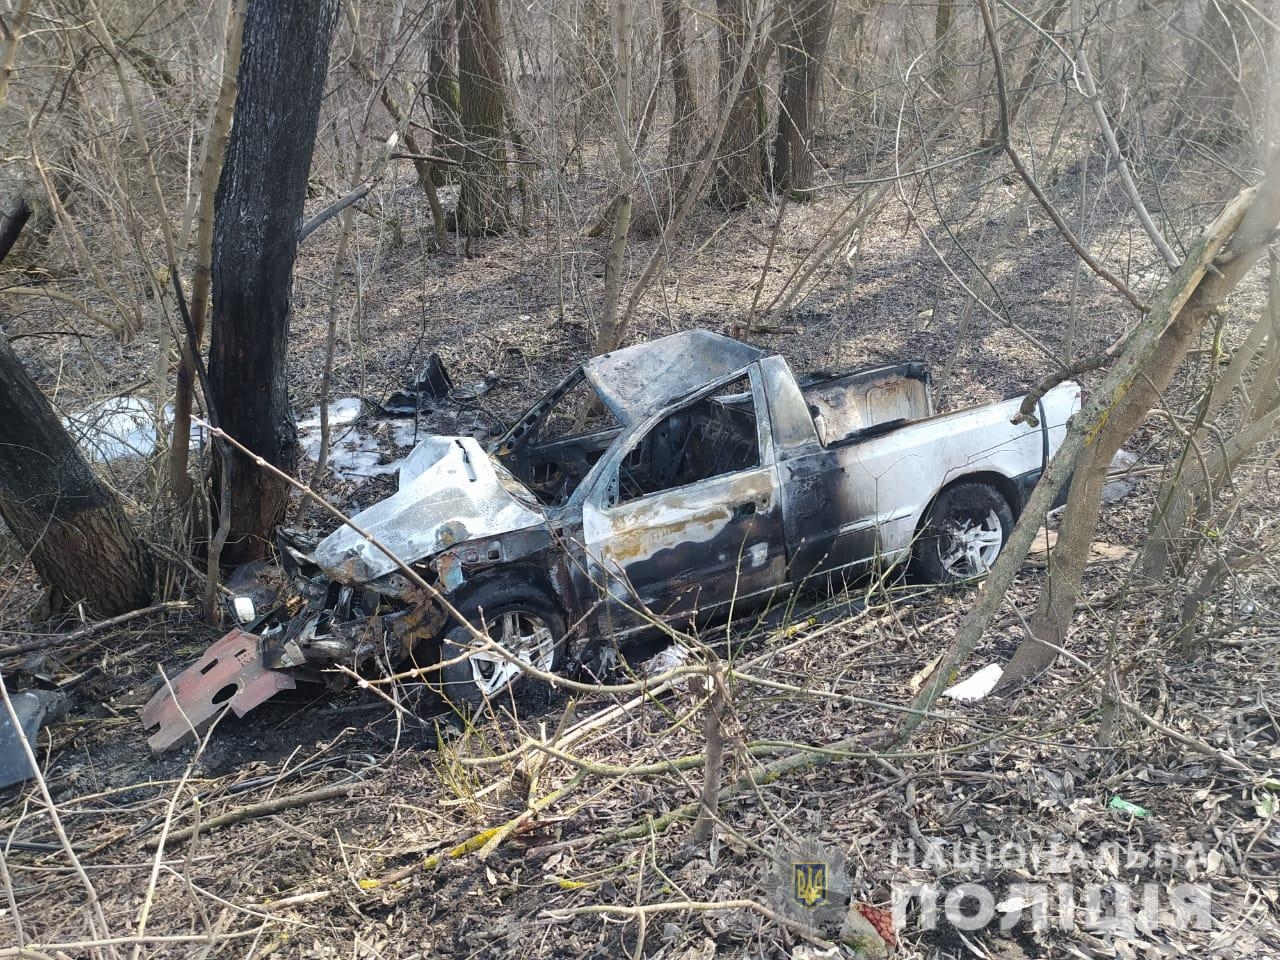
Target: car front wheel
{"x": 517, "y": 618}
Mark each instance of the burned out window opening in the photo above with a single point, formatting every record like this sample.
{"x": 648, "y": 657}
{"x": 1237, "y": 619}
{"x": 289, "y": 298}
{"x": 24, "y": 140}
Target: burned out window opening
{"x": 554, "y": 447}
{"x": 716, "y": 435}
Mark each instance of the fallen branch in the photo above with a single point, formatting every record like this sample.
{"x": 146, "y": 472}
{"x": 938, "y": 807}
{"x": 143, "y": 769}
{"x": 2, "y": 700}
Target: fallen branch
{"x": 53, "y": 640}
{"x": 641, "y": 911}
{"x": 263, "y": 809}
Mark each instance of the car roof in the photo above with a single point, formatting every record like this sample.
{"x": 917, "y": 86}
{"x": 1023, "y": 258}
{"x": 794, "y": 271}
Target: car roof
{"x": 636, "y": 381}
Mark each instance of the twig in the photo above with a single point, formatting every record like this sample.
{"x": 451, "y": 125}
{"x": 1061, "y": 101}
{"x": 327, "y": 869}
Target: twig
{"x": 989, "y": 25}
{"x": 263, "y": 809}
{"x": 641, "y": 911}
{"x": 84, "y": 633}
{"x": 333, "y": 209}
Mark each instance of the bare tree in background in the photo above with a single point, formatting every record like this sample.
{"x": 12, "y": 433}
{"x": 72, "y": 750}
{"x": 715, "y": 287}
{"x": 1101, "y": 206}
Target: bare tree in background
{"x": 259, "y": 209}
{"x": 442, "y": 90}
{"x": 739, "y": 159}
{"x": 482, "y": 205}
{"x": 805, "y": 29}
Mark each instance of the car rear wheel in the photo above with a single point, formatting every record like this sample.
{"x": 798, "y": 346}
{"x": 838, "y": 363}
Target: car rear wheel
{"x": 519, "y": 619}
{"x": 963, "y": 533}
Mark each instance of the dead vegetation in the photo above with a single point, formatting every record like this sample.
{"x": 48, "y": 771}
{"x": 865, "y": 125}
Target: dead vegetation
{"x": 645, "y": 819}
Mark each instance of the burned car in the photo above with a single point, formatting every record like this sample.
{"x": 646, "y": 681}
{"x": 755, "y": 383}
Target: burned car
{"x": 678, "y": 481}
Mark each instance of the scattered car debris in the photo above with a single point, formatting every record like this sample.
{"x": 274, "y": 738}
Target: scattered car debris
{"x": 977, "y": 686}
{"x": 35, "y": 709}
{"x": 1120, "y": 484}
{"x": 231, "y": 673}
{"x": 432, "y": 383}
{"x": 369, "y": 439}
{"x": 678, "y": 480}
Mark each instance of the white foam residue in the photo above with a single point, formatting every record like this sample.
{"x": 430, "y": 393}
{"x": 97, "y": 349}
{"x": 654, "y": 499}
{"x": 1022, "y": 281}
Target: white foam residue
{"x": 355, "y": 450}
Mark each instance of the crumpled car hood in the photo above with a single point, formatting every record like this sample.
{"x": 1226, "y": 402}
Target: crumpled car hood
{"x": 450, "y": 492}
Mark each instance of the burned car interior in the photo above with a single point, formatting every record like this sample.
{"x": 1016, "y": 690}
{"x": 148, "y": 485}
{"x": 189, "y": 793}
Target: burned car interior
{"x": 717, "y": 434}
{"x": 554, "y": 447}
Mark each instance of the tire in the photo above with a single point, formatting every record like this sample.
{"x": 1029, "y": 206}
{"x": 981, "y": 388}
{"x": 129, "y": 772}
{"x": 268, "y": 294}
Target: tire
{"x": 518, "y": 616}
{"x": 963, "y": 532}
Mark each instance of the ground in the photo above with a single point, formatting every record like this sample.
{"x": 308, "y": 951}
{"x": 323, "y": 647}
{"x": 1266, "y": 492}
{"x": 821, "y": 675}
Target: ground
{"x": 400, "y": 864}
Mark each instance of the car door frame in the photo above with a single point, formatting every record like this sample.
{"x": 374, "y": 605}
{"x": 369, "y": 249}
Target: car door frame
{"x": 600, "y": 520}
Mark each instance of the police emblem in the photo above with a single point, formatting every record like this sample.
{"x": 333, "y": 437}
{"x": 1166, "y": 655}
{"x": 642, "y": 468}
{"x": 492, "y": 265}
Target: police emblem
{"x": 809, "y": 884}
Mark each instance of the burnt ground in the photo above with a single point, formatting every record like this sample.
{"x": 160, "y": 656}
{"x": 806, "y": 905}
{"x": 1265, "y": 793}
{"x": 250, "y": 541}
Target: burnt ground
{"x": 1037, "y": 767}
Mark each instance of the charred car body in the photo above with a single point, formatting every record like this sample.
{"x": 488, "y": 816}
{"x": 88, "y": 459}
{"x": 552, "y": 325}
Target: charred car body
{"x": 676, "y": 481}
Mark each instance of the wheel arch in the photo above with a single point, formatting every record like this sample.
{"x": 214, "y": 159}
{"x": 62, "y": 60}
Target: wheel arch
{"x": 525, "y": 575}
{"x": 998, "y": 481}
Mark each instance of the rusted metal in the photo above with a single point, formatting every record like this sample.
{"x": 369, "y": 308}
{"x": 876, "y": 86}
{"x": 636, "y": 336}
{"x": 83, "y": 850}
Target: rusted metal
{"x": 230, "y": 674}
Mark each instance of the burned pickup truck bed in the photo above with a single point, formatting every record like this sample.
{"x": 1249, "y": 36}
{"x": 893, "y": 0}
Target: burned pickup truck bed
{"x": 671, "y": 482}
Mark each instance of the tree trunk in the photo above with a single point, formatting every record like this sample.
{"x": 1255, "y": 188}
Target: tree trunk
{"x": 425, "y": 169}
{"x": 201, "y": 277}
{"x": 800, "y": 53}
{"x": 260, "y": 200}
{"x": 1019, "y": 95}
{"x": 610, "y": 334}
{"x": 442, "y": 93}
{"x": 738, "y": 169}
{"x": 482, "y": 205}
{"x": 684, "y": 108}
{"x": 1206, "y": 111}
{"x": 1067, "y": 563}
{"x": 69, "y": 523}
{"x": 943, "y": 45}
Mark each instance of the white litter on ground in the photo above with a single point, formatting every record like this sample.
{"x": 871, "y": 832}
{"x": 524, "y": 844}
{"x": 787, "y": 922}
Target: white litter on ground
{"x": 977, "y": 686}
{"x": 666, "y": 659}
{"x": 356, "y": 452}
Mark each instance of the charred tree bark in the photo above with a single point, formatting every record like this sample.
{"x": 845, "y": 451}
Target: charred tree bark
{"x": 738, "y": 163}
{"x": 482, "y": 205}
{"x": 259, "y": 207}
{"x": 70, "y": 524}
{"x": 800, "y": 54}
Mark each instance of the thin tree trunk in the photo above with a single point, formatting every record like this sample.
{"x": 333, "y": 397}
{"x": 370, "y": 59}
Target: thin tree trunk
{"x": 1206, "y": 109}
{"x": 425, "y": 169}
{"x": 442, "y": 92}
{"x": 482, "y": 205}
{"x": 800, "y": 55}
{"x": 1020, "y": 94}
{"x": 943, "y": 42}
{"x": 215, "y": 145}
{"x": 609, "y": 336}
{"x": 1247, "y": 220}
{"x": 684, "y": 108}
{"x": 1143, "y": 391}
{"x": 258, "y": 212}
